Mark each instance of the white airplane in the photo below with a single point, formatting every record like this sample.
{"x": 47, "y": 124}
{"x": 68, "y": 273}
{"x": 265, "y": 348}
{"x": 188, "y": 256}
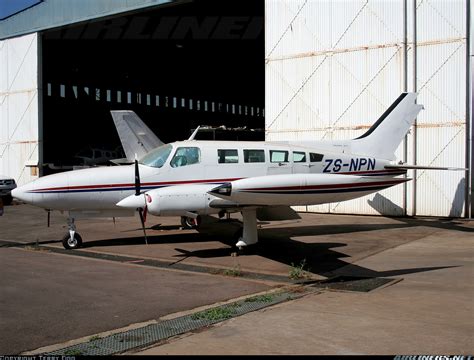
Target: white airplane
{"x": 259, "y": 179}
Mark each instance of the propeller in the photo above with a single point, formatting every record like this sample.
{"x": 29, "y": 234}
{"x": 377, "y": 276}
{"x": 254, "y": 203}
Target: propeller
{"x": 141, "y": 211}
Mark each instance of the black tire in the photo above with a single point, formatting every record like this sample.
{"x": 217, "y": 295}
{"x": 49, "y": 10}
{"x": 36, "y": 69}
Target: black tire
{"x": 189, "y": 223}
{"x": 7, "y": 199}
{"x": 68, "y": 244}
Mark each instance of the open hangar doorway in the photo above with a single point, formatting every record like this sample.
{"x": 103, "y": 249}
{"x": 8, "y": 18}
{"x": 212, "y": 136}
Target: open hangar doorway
{"x": 178, "y": 66}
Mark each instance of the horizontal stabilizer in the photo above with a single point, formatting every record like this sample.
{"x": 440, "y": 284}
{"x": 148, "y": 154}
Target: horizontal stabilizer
{"x": 122, "y": 161}
{"x": 421, "y": 167}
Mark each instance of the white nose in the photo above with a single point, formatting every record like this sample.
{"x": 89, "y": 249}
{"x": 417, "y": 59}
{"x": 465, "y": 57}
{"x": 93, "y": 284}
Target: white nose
{"x": 133, "y": 202}
{"x": 24, "y": 193}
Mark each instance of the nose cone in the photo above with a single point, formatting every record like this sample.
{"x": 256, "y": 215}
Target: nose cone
{"x": 23, "y": 193}
{"x": 132, "y": 202}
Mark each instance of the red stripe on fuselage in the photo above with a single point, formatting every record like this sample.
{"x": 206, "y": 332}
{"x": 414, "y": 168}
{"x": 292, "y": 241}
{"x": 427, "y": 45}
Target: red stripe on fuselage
{"x": 84, "y": 187}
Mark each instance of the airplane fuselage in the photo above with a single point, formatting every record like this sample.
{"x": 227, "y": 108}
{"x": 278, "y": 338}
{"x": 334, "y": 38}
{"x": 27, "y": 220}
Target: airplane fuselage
{"x": 209, "y": 162}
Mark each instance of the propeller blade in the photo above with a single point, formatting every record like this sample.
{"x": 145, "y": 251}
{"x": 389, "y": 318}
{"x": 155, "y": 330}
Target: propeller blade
{"x": 145, "y": 211}
{"x": 137, "y": 179}
{"x": 140, "y": 212}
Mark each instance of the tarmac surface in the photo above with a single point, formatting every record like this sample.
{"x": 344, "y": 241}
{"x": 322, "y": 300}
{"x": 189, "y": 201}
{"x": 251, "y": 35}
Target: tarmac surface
{"x": 49, "y": 298}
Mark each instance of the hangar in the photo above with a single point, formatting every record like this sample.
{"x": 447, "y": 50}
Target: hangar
{"x": 177, "y": 64}
{"x": 299, "y": 69}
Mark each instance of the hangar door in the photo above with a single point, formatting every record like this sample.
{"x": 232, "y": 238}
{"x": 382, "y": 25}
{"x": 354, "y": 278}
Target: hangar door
{"x": 19, "y": 107}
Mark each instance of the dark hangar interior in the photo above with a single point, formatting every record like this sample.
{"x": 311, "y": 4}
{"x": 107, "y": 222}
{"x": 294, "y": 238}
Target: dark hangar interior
{"x": 177, "y": 66}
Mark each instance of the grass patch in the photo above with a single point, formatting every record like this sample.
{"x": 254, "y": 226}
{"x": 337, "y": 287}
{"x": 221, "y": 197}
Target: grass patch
{"x": 214, "y": 314}
{"x": 94, "y": 338}
{"x": 35, "y": 248}
{"x": 261, "y": 298}
{"x": 235, "y": 271}
{"x": 298, "y": 271}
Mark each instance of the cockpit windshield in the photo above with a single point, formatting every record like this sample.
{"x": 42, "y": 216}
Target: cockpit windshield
{"x": 157, "y": 157}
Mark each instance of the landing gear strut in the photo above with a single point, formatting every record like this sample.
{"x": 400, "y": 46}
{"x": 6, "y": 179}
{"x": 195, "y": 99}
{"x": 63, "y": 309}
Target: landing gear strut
{"x": 72, "y": 240}
{"x": 249, "y": 232}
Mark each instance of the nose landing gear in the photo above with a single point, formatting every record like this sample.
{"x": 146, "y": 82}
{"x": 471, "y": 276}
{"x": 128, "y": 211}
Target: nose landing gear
{"x": 72, "y": 240}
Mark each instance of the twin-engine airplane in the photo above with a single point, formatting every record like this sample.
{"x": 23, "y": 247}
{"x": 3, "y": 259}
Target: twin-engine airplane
{"x": 259, "y": 179}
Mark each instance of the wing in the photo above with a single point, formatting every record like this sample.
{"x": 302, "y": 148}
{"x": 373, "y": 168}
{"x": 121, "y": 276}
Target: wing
{"x": 136, "y": 137}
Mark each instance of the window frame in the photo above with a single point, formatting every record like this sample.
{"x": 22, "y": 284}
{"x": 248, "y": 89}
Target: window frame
{"x": 225, "y": 162}
{"x": 187, "y": 164}
{"x": 320, "y": 157}
{"x": 254, "y": 162}
{"x": 280, "y": 151}
{"x": 301, "y": 161}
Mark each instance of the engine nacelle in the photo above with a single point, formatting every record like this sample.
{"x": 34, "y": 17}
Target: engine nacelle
{"x": 180, "y": 200}
{"x": 301, "y": 189}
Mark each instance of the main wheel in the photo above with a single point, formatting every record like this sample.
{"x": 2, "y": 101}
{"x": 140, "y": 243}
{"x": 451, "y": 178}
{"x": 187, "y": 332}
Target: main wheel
{"x": 189, "y": 223}
{"x": 69, "y": 243}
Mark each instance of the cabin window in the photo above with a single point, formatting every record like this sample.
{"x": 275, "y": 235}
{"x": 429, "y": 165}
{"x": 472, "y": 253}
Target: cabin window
{"x": 299, "y": 157}
{"x": 278, "y": 156}
{"x": 157, "y": 157}
{"x": 254, "y": 156}
{"x": 186, "y": 156}
{"x": 227, "y": 156}
{"x": 314, "y": 157}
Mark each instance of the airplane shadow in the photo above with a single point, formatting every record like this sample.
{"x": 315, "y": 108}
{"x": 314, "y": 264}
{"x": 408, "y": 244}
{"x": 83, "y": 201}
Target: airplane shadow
{"x": 319, "y": 258}
{"x": 154, "y": 239}
{"x": 277, "y": 244}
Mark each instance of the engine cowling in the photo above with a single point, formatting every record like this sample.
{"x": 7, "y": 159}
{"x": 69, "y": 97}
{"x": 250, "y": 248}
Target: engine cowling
{"x": 180, "y": 200}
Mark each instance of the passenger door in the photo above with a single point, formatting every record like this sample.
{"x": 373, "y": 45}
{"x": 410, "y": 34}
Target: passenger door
{"x": 300, "y": 162}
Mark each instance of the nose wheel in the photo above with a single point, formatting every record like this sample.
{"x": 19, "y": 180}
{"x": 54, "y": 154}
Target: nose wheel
{"x": 72, "y": 242}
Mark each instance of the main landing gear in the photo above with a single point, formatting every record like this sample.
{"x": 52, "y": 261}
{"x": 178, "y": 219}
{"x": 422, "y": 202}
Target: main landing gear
{"x": 189, "y": 223}
{"x": 249, "y": 235}
{"x": 72, "y": 240}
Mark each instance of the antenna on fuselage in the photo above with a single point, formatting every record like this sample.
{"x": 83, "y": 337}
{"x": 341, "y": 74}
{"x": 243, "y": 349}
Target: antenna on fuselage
{"x": 193, "y": 135}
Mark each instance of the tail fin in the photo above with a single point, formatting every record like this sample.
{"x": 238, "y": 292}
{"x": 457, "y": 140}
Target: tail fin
{"x": 137, "y": 138}
{"x": 384, "y": 137}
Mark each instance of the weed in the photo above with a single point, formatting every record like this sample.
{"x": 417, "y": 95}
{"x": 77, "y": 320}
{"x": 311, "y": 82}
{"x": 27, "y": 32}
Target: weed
{"x": 235, "y": 271}
{"x": 219, "y": 313}
{"x": 94, "y": 338}
{"x": 260, "y": 298}
{"x": 35, "y": 248}
{"x": 298, "y": 272}
{"x": 73, "y": 352}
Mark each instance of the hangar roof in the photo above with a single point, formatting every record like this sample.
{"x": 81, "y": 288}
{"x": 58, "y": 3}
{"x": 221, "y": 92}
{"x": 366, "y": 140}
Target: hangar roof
{"x": 48, "y": 14}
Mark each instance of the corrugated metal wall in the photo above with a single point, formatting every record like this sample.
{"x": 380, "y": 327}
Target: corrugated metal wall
{"x": 333, "y": 67}
{"x": 19, "y": 106}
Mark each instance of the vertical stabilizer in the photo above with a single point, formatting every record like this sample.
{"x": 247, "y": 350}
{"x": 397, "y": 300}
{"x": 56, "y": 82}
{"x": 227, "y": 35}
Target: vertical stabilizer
{"x": 137, "y": 138}
{"x": 384, "y": 137}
